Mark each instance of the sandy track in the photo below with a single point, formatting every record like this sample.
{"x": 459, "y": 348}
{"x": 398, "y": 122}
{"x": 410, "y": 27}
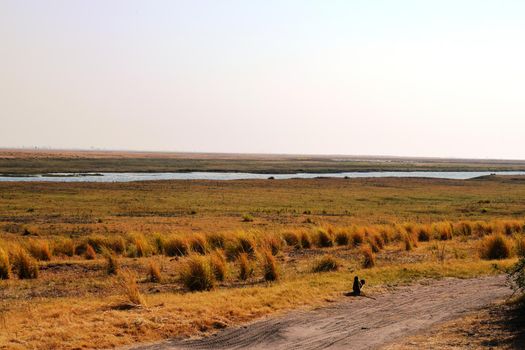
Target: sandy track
{"x": 357, "y": 323}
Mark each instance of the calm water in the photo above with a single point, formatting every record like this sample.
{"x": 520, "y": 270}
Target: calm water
{"x": 127, "y": 177}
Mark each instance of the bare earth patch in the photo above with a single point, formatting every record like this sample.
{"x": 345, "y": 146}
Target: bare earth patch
{"x": 358, "y": 323}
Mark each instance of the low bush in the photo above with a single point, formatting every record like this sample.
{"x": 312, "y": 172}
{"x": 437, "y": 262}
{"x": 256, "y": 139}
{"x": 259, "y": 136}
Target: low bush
{"x": 495, "y": 246}
{"x": 196, "y": 274}
{"x": 325, "y": 264}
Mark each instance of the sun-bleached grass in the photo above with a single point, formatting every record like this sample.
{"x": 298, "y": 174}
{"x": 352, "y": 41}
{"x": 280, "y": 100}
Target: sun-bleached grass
{"x": 112, "y": 263}
{"x": 324, "y": 238}
{"x": 176, "y": 246}
{"x": 368, "y": 259}
{"x": 39, "y": 249}
{"x": 154, "y": 274}
{"x": 219, "y": 265}
{"x": 90, "y": 253}
{"x": 246, "y": 269}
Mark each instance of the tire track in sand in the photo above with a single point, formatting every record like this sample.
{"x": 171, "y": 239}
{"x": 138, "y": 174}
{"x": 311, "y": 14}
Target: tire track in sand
{"x": 357, "y": 323}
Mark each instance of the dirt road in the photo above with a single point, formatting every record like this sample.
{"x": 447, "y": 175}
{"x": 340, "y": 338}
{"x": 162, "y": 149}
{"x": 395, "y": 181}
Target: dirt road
{"x": 357, "y": 322}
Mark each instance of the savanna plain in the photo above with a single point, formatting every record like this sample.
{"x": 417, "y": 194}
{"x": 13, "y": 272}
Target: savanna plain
{"x": 102, "y": 265}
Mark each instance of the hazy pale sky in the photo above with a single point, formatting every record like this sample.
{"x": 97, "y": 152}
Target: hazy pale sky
{"x": 414, "y": 78}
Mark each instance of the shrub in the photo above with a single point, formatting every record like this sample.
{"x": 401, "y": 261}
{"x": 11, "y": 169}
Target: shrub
{"x": 197, "y": 244}
{"x": 324, "y": 239}
{"x": 245, "y": 267}
{"x": 5, "y": 266}
{"x": 39, "y": 250}
{"x": 154, "y": 274}
{"x": 325, "y": 264}
{"x": 357, "y": 238}
{"x": 128, "y": 283}
{"x": 65, "y": 247}
{"x": 25, "y": 265}
{"x": 368, "y": 257}
{"x": 292, "y": 239}
{"x": 342, "y": 238}
{"x": 495, "y": 246}
{"x": 216, "y": 240}
{"x": 90, "y": 253}
{"x": 305, "y": 240}
{"x": 218, "y": 265}
{"x": 176, "y": 246}
{"x": 196, "y": 274}
{"x": 112, "y": 263}
{"x": 269, "y": 266}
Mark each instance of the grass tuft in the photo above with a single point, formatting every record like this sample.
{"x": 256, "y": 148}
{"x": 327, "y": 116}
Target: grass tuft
{"x": 128, "y": 283}
{"x": 269, "y": 266}
{"x": 176, "y": 246}
{"x": 368, "y": 257}
{"x": 154, "y": 274}
{"x": 324, "y": 238}
{"x": 325, "y": 264}
{"x": 218, "y": 265}
{"x": 25, "y": 265}
{"x": 5, "y": 266}
{"x": 495, "y": 246}
{"x": 197, "y": 274}
{"x": 245, "y": 267}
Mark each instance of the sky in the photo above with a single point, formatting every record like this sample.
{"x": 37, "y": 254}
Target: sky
{"x": 407, "y": 78}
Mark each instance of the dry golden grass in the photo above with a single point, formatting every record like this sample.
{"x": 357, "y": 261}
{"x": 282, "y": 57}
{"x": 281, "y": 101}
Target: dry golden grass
{"x": 325, "y": 264}
{"x": 5, "y": 265}
{"x": 246, "y": 269}
{"x": 127, "y": 281}
{"x": 219, "y": 265}
{"x": 25, "y": 266}
{"x": 495, "y": 246}
{"x": 368, "y": 257}
{"x": 197, "y": 274}
{"x": 90, "y": 253}
{"x": 270, "y": 270}
{"x": 154, "y": 274}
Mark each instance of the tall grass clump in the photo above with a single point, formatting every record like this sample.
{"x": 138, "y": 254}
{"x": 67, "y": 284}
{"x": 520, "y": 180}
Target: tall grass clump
{"x": 368, "y": 257}
{"x": 444, "y": 230}
{"x": 304, "y": 239}
{"x": 245, "y": 267}
{"x": 139, "y": 246}
{"x": 273, "y": 243}
{"x": 154, "y": 274}
{"x": 520, "y": 245}
{"x": 423, "y": 234}
{"x": 196, "y": 274}
{"x": 176, "y": 246}
{"x": 127, "y": 281}
{"x": 242, "y": 243}
{"x": 116, "y": 243}
{"x": 5, "y": 265}
{"x": 324, "y": 238}
{"x": 25, "y": 266}
{"x": 495, "y": 246}
{"x": 216, "y": 240}
{"x": 159, "y": 241}
{"x": 269, "y": 266}
{"x": 218, "y": 265}
{"x": 342, "y": 238}
{"x": 325, "y": 264}
{"x": 39, "y": 249}
{"x": 408, "y": 242}
{"x": 292, "y": 239}
{"x": 197, "y": 244}
{"x": 357, "y": 238}
{"x": 462, "y": 228}
{"x": 64, "y": 247}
